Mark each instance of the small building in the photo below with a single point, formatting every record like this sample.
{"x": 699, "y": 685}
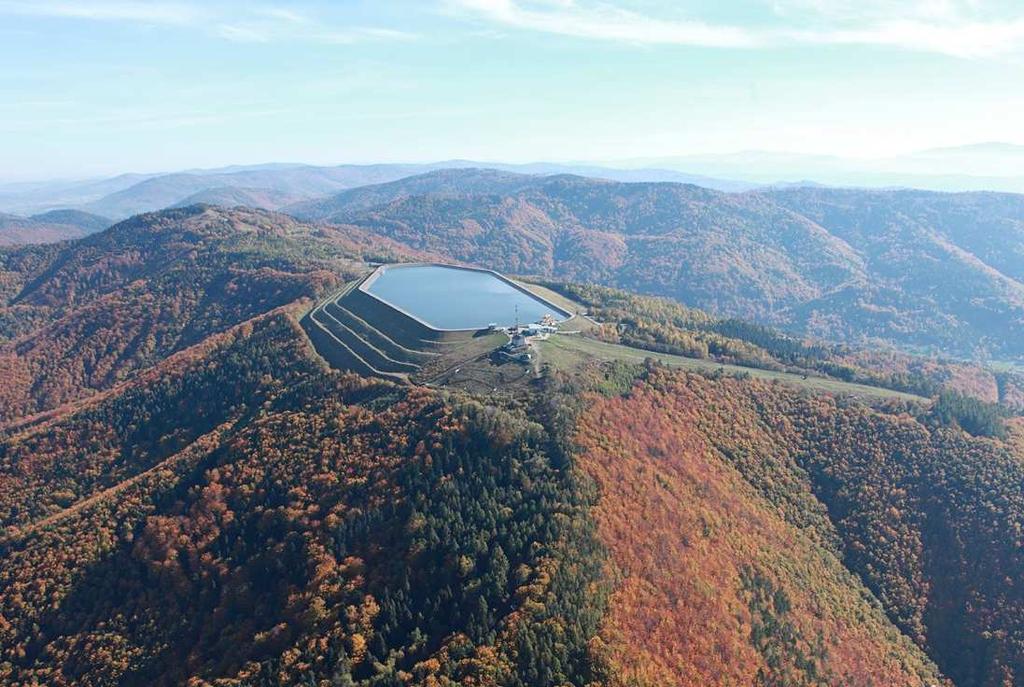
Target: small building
{"x": 520, "y": 341}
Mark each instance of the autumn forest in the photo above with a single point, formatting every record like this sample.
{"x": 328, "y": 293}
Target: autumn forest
{"x": 191, "y": 495}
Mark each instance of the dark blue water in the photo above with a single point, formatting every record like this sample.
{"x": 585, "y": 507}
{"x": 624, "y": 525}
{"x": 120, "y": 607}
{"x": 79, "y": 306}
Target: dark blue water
{"x": 448, "y": 298}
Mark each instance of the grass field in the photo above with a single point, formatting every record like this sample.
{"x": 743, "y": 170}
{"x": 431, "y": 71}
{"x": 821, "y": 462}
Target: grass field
{"x": 461, "y": 355}
{"x": 554, "y": 297}
{"x": 569, "y": 351}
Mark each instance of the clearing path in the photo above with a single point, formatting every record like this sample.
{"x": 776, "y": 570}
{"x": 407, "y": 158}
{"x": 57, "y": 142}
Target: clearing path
{"x": 566, "y": 351}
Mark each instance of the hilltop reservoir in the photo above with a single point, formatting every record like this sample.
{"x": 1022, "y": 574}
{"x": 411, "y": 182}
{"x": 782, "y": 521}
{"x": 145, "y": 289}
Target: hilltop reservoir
{"x": 416, "y": 321}
{"x": 445, "y": 297}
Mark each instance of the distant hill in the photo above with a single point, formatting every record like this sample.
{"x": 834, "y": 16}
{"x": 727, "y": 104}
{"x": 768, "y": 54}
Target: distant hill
{"x": 230, "y": 196}
{"x": 609, "y": 172}
{"x": 445, "y": 182}
{"x": 27, "y": 198}
{"x": 49, "y": 227}
{"x": 87, "y": 221}
{"x": 277, "y": 184}
{"x": 978, "y": 167}
{"x": 985, "y": 166}
{"x": 297, "y": 182}
{"x": 922, "y": 270}
{"x": 151, "y": 194}
{"x": 273, "y": 186}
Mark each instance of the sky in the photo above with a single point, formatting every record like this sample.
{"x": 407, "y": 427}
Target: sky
{"x": 97, "y": 87}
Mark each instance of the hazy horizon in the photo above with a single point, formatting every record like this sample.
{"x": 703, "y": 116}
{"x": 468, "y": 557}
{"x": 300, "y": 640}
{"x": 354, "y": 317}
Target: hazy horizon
{"x": 101, "y": 87}
{"x": 695, "y": 164}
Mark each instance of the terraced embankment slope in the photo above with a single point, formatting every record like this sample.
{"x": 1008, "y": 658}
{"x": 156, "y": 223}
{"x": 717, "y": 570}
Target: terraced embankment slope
{"x": 353, "y": 330}
{"x": 348, "y": 341}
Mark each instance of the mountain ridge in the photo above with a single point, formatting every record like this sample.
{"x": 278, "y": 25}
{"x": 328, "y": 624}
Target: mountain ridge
{"x": 130, "y": 194}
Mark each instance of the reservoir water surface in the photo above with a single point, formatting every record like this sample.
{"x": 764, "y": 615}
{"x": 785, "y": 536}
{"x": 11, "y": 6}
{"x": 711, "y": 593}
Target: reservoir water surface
{"x": 453, "y": 298}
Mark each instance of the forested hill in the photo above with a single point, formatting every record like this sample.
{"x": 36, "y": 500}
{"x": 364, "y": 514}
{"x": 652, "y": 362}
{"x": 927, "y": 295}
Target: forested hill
{"x": 922, "y": 270}
{"x": 77, "y": 318}
{"x": 49, "y": 227}
{"x": 723, "y": 498}
{"x": 189, "y": 495}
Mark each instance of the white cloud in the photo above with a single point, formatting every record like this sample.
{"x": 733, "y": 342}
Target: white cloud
{"x": 150, "y": 12}
{"x": 604, "y": 22}
{"x": 242, "y": 34}
{"x": 282, "y": 14}
{"x": 960, "y": 28}
{"x": 239, "y": 24}
{"x": 968, "y": 40}
{"x": 307, "y": 32}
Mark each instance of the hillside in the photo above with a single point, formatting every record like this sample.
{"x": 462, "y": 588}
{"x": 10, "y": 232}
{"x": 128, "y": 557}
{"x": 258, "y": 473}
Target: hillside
{"x": 291, "y": 526}
{"x": 230, "y": 196}
{"x": 78, "y": 318}
{"x": 303, "y": 527}
{"x": 650, "y": 237}
{"x": 445, "y": 182}
{"x": 730, "y": 504}
{"x": 923, "y": 271}
{"x": 663, "y": 326}
{"x": 49, "y": 227}
{"x": 938, "y": 261}
{"x": 196, "y": 532}
{"x": 190, "y": 495}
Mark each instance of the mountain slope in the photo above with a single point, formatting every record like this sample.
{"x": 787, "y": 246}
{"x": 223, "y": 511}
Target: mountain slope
{"x": 230, "y": 196}
{"x": 294, "y": 525}
{"x": 723, "y": 580}
{"x": 941, "y": 261}
{"x": 927, "y": 517}
{"x": 81, "y": 317}
{"x": 703, "y": 247}
{"x": 299, "y": 525}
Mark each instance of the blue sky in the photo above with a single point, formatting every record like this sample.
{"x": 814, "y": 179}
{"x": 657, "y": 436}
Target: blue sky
{"x": 97, "y": 87}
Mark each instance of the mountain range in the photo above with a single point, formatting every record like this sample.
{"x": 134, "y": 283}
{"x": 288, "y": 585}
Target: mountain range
{"x": 271, "y": 185}
{"x": 984, "y": 166}
{"x": 992, "y": 166}
{"x": 918, "y": 270}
